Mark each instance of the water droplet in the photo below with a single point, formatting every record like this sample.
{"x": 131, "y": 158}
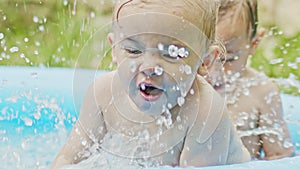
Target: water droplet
{"x": 158, "y": 70}
{"x": 192, "y": 91}
{"x": 22, "y": 55}
{"x": 173, "y": 51}
{"x": 28, "y": 121}
{"x": 14, "y": 49}
{"x": 252, "y": 125}
{"x": 145, "y": 134}
{"x": 253, "y": 116}
{"x": 246, "y": 92}
{"x": 83, "y": 142}
{"x": 1, "y": 35}
{"x": 284, "y": 52}
{"x": 77, "y": 131}
{"x": 41, "y": 28}
{"x": 188, "y": 69}
{"x": 45, "y": 20}
{"x": 269, "y": 97}
{"x": 24, "y": 144}
{"x": 178, "y": 119}
{"x": 169, "y": 105}
{"x": 287, "y": 144}
{"x": 17, "y": 157}
{"x": 182, "y": 52}
{"x": 180, "y": 127}
{"x": 272, "y": 140}
{"x": 162, "y": 145}
{"x": 180, "y": 101}
{"x": 65, "y": 2}
{"x": 92, "y": 14}
{"x": 143, "y": 87}
{"x": 37, "y": 115}
{"x": 239, "y": 122}
{"x": 37, "y": 43}
{"x": 35, "y": 19}
{"x": 293, "y": 65}
{"x": 111, "y": 65}
{"x": 26, "y": 39}
{"x": 27, "y": 60}
{"x": 160, "y": 46}
{"x": 181, "y": 68}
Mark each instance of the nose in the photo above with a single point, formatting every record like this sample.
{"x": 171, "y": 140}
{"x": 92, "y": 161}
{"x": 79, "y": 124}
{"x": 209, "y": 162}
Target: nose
{"x": 150, "y": 65}
{"x": 156, "y": 71}
{"x": 149, "y": 72}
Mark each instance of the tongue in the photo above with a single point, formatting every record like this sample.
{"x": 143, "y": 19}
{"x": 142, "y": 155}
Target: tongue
{"x": 152, "y": 91}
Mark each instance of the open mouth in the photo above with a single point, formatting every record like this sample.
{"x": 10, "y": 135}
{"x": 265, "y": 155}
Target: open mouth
{"x": 150, "y": 92}
{"x": 218, "y": 86}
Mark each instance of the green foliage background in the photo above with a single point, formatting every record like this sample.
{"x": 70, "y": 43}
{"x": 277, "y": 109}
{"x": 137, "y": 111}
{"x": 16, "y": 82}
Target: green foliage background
{"x": 48, "y": 33}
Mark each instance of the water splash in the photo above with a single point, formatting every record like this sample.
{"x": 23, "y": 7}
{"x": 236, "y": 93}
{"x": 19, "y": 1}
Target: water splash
{"x": 158, "y": 70}
{"x": 180, "y": 101}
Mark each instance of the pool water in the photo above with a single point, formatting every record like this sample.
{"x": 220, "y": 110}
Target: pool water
{"x": 38, "y": 107}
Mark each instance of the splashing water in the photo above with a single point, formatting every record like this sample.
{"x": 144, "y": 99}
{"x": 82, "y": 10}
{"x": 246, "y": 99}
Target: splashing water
{"x": 32, "y": 45}
{"x": 180, "y": 101}
{"x": 158, "y": 70}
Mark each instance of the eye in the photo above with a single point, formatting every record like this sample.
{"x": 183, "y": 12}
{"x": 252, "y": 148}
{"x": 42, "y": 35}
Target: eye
{"x": 132, "y": 50}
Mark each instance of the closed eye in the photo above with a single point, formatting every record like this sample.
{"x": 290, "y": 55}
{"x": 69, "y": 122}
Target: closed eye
{"x": 132, "y": 50}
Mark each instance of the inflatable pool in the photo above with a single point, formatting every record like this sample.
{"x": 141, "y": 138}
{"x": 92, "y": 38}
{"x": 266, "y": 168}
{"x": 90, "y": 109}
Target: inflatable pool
{"x": 38, "y": 107}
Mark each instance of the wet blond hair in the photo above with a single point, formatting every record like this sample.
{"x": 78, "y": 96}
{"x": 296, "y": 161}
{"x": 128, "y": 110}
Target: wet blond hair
{"x": 202, "y": 13}
{"x": 244, "y": 9}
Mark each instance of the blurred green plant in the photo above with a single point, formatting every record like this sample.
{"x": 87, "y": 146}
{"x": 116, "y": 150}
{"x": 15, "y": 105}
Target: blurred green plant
{"x": 49, "y": 33}
{"x": 279, "y": 58}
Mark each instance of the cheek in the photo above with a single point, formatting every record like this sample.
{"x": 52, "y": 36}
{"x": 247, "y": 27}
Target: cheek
{"x": 126, "y": 71}
{"x": 183, "y": 83}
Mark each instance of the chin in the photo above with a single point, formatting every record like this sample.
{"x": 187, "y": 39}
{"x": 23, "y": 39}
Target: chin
{"x": 152, "y": 108}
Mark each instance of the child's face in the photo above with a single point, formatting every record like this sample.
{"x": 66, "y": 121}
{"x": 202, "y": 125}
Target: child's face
{"x": 156, "y": 67}
{"x": 237, "y": 41}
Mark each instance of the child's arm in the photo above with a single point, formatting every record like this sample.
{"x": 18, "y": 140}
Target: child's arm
{"x": 90, "y": 124}
{"x": 277, "y": 142}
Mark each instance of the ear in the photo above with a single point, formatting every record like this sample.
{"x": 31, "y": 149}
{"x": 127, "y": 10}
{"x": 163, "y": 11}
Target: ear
{"x": 257, "y": 38}
{"x": 209, "y": 60}
{"x": 110, "y": 39}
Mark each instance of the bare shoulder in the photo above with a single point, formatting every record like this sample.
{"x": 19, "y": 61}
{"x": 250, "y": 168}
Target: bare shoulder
{"x": 101, "y": 87}
{"x": 211, "y": 124}
{"x": 211, "y": 110}
{"x": 266, "y": 84}
{"x": 104, "y": 81}
{"x": 97, "y": 96}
